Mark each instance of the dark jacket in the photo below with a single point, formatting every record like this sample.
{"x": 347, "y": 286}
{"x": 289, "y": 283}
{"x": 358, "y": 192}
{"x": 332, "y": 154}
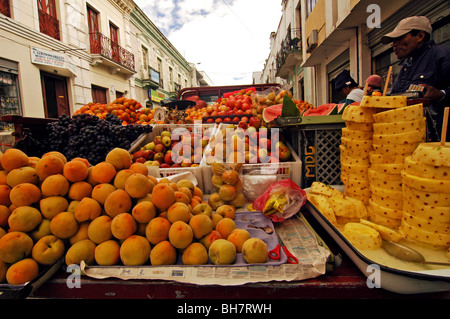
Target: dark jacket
{"x": 430, "y": 64}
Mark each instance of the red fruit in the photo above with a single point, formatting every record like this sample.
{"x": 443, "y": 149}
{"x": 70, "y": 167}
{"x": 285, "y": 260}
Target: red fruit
{"x": 243, "y": 125}
{"x": 139, "y": 154}
{"x": 160, "y": 148}
{"x": 140, "y": 160}
{"x": 149, "y": 155}
{"x": 200, "y": 104}
{"x": 245, "y": 106}
{"x": 231, "y": 103}
{"x": 193, "y": 98}
{"x": 255, "y": 122}
{"x": 168, "y": 158}
{"x": 283, "y": 152}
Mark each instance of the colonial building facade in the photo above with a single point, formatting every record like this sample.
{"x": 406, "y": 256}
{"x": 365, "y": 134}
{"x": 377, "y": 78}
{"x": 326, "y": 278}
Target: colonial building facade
{"x": 317, "y": 39}
{"x": 60, "y": 55}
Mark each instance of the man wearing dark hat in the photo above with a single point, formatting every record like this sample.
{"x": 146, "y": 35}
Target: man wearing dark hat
{"x": 344, "y": 83}
{"x": 425, "y": 63}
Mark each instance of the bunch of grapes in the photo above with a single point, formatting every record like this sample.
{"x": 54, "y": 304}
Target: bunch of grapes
{"x": 90, "y": 137}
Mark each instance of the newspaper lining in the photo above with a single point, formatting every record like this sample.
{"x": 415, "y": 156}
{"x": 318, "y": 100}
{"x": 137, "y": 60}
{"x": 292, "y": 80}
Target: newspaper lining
{"x": 295, "y": 234}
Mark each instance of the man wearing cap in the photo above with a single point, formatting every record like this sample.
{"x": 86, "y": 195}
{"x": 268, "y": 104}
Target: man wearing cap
{"x": 374, "y": 82}
{"x": 425, "y": 63}
{"x": 344, "y": 83}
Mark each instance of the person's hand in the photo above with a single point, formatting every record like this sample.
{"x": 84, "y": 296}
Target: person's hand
{"x": 435, "y": 95}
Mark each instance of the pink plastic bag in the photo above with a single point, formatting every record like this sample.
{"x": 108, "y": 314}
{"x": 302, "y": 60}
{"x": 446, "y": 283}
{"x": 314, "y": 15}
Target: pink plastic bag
{"x": 296, "y": 198}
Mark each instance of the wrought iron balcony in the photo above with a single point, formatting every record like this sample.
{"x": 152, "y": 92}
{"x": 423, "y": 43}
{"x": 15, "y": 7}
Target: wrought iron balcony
{"x": 290, "y": 53}
{"x": 49, "y": 25}
{"x": 103, "y": 46}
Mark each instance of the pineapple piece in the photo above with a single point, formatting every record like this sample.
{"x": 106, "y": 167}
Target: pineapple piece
{"x": 322, "y": 204}
{"x": 407, "y": 113}
{"x": 359, "y": 114}
{"x": 416, "y": 168}
{"x": 385, "y": 232}
{"x": 321, "y": 189}
{"x": 348, "y": 207}
{"x": 399, "y": 127}
{"x": 362, "y": 236}
{"x": 384, "y": 101}
{"x": 432, "y": 154}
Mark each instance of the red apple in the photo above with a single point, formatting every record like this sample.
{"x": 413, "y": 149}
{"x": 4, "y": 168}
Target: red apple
{"x": 157, "y": 139}
{"x": 283, "y": 151}
{"x": 160, "y": 148}
{"x": 243, "y": 125}
{"x": 138, "y": 154}
{"x": 264, "y": 143}
{"x": 253, "y": 138}
{"x": 168, "y": 158}
{"x": 140, "y": 160}
{"x": 159, "y": 157}
{"x": 150, "y": 155}
{"x": 255, "y": 122}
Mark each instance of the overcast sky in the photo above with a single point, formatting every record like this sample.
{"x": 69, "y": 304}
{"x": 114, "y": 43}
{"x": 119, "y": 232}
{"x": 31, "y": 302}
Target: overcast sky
{"x": 229, "y": 38}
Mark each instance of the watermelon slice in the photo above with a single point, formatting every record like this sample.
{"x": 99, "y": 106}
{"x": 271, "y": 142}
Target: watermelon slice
{"x": 339, "y": 109}
{"x": 270, "y": 113}
{"x": 287, "y": 109}
{"x": 324, "y": 109}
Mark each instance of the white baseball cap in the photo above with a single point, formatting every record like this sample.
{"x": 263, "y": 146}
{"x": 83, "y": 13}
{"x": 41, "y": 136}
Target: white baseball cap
{"x": 406, "y": 25}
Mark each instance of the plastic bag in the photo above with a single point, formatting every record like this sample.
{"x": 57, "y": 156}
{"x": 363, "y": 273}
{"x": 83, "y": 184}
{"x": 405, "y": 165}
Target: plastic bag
{"x": 227, "y": 184}
{"x": 281, "y": 200}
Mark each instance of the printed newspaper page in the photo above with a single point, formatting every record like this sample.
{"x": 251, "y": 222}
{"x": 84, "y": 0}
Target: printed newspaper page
{"x": 298, "y": 237}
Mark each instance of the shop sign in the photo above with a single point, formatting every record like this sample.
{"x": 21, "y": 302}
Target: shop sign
{"x": 51, "y": 58}
{"x": 308, "y": 154}
{"x": 156, "y": 96}
{"x": 154, "y": 75}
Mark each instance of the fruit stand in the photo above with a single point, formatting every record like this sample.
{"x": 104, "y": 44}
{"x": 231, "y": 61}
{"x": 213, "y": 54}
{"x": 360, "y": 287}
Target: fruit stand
{"x": 197, "y": 209}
